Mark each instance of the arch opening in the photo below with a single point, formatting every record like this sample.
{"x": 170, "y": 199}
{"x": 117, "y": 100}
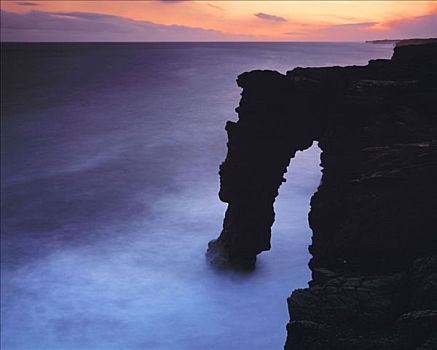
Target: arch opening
{"x": 291, "y": 233}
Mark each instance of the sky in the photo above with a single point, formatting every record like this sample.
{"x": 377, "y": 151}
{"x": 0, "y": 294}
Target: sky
{"x": 192, "y": 20}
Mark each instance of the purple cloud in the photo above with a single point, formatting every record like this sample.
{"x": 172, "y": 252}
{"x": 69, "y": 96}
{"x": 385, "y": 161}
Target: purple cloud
{"x": 294, "y": 33}
{"x": 415, "y": 27}
{"x": 268, "y": 17}
{"x": 215, "y": 7}
{"x": 348, "y": 26}
{"x": 420, "y": 26}
{"x": 87, "y": 26}
{"x": 347, "y": 31}
{"x": 25, "y": 3}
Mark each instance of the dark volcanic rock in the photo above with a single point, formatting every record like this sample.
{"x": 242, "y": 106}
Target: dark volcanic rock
{"x": 374, "y": 245}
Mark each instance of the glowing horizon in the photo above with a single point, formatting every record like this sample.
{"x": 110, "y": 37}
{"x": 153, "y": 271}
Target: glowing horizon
{"x": 176, "y": 20}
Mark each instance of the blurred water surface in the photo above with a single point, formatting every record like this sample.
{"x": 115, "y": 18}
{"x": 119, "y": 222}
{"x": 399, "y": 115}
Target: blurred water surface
{"x": 110, "y": 154}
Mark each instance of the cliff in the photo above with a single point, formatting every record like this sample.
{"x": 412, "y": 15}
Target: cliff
{"x": 373, "y": 217}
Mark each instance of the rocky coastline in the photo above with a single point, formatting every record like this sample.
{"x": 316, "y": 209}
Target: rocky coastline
{"x": 373, "y": 217}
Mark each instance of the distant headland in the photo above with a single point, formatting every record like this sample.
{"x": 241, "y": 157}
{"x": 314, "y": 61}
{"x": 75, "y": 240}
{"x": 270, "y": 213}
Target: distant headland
{"x": 403, "y": 42}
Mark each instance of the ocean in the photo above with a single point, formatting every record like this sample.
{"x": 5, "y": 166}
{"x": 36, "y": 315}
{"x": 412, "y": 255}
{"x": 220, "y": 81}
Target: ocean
{"x": 109, "y": 161}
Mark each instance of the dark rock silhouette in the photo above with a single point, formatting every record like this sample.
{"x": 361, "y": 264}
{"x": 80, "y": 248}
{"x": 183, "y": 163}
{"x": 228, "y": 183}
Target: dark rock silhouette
{"x": 374, "y": 244}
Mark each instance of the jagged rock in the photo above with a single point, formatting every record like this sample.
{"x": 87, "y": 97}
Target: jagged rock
{"x": 374, "y": 245}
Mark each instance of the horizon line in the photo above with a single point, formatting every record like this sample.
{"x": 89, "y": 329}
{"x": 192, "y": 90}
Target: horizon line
{"x": 198, "y": 41}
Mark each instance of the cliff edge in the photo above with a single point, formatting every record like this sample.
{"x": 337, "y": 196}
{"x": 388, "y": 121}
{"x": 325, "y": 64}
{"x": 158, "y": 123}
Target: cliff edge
{"x": 373, "y": 217}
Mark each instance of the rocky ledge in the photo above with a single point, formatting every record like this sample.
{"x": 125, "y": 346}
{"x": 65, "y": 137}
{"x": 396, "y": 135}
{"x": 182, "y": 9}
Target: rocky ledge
{"x": 373, "y": 217}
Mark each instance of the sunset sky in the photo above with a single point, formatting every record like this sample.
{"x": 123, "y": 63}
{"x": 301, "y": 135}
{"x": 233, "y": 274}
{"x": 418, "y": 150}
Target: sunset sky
{"x": 190, "y": 20}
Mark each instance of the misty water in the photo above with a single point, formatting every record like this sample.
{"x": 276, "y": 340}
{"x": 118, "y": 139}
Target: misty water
{"x": 110, "y": 158}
